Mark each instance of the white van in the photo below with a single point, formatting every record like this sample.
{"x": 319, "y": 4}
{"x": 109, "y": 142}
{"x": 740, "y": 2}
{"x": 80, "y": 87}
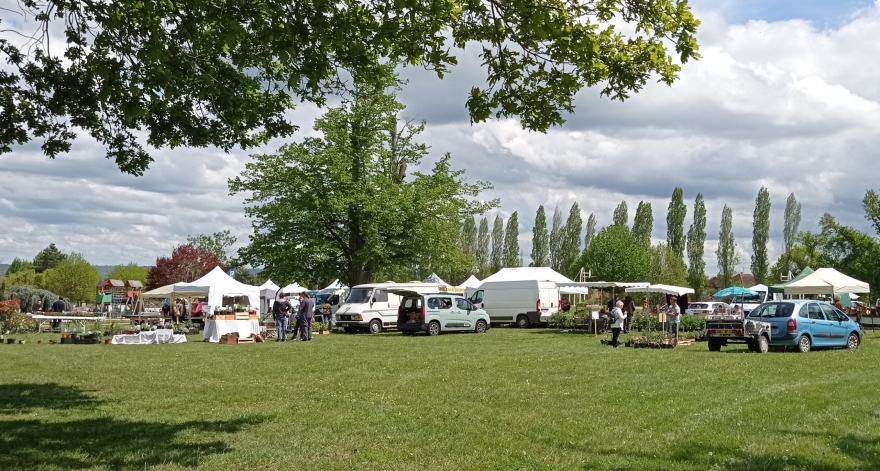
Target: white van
{"x": 371, "y": 307}
{"x": 521, "y": 302}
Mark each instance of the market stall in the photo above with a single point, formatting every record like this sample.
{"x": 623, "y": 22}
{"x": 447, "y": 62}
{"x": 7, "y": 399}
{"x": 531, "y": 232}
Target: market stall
{"x": 232, "y": 304}
{"x": 826, "y": 281}
{"x": 268, "y": 293}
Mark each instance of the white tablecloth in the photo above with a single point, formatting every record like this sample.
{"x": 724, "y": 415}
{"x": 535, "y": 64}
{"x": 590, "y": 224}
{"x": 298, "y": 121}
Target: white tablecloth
{"x": 214, "y": 329}
{"x": 149, "y": 337}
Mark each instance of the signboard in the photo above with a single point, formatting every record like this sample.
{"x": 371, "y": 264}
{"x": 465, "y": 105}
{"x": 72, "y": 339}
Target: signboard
{"x": 662, "y": 317}
{"x": 595, "y": 315}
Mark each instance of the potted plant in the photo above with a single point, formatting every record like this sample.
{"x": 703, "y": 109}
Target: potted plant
{"x": 318, "y": 327}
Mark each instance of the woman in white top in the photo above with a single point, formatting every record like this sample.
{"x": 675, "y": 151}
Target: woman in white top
{"x": 617, "y": 319}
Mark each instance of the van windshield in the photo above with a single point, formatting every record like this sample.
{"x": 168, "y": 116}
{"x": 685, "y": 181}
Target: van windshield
{"x": 359, "y": 295}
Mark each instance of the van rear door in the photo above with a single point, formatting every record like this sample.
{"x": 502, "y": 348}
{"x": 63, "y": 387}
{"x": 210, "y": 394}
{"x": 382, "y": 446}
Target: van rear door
{"x": 548, "y": 293}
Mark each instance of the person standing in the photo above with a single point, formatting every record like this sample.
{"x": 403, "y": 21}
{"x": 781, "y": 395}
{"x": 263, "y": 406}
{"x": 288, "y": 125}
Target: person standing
{"x": 306, "y": 312}
{"x": 617, "y": 319}
{"x": 629, "y": 309}
{"x": 281, "y": 313}
{"x": 674, "y": 317}
{"x": 58, "y": 308}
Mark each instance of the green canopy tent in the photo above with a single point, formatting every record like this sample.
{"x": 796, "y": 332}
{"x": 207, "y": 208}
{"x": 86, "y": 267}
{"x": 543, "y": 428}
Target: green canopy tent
{"x": 780, "y": 288}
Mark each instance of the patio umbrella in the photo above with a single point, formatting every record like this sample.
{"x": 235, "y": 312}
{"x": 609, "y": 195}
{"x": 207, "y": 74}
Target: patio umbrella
{"x": 733, "y": 291}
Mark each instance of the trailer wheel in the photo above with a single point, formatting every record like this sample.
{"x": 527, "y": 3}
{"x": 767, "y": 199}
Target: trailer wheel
{"x": 714, "y": 345}
{"x": 762, "y": 346}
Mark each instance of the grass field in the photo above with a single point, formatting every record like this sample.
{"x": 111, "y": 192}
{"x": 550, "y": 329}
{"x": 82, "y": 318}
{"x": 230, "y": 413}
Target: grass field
{"x": 506, "y": 400}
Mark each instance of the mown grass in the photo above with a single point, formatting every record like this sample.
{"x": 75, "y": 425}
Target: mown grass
{"x": 509, "y": 399}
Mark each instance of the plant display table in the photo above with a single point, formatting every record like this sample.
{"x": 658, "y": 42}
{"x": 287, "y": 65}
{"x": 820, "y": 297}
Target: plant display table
{"x": 80, "y": 320}
{"x": 215, "y": 328}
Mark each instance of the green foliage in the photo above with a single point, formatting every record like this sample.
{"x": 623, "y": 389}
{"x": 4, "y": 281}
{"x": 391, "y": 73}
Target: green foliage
{"x": 74, "y": 278}
{"x": 511, "y": 242}
{"x": 11, "y": 320}
{"x": 562, "y": 319}
{"x": 129, "y": 272}
{"x": 341, "y": 205}
{"x": 497, "y": 244}
{"x": 621, "y": 216}
{"x": 483, "y": 253}
{"x": 850, "y": 251}
{"x": 677, "y": 211}
{"x": 645, "y": 323}
{"x": 18, "y": 265}
{"x": 48, "y": 258}
{"x": 808, "y": 251}
{"x": 615, "y": 255}
{"x": 27, "y": 277}
{"x": 726, "y": 253}
{"x": 540, "y": 240}
{"x": 792, "y": 218}
{"x": 28, "y": 297}
{"x": 469, "y": 236}
{"x": 195, "y": 73}
{"x": 761, "y": 236}
{"x": 666, "y": 266}
{"x": 696, "y": 246}
{"x": 218, "y": 243}
{"x": 556, "y": 236}
{"x": 590, "y": 231}
{"x": 643, "y": 225}
{"x": 692, "y": 323}
{"x": 571, "y": 241}
{"x": 871, "y": 205}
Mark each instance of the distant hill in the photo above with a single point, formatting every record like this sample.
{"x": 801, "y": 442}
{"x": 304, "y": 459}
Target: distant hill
{"x": 104, "y": 270}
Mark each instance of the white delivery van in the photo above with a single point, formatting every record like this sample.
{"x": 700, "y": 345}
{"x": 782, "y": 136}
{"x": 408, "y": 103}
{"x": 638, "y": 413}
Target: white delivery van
{"x": 371, "y": 307}
{"x": 521, "y": 302}
{"x": 334, "y": 297}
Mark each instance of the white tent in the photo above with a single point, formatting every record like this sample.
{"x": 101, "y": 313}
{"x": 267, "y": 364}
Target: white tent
{"x": 827, "y": 281}
{"x": 166, "y": 291}
{"x": 470, "y": 285}
{"x": 217, "y": 284}
{"x": 293, "y": 288}
{"x": 268, "y": 290}
{"x": 528, "y": 273}
{"x": 335, "y": 285}
{"x": 615, "y": 284}
{"x": 665, "y": 289}
{"x": 433, "y": 278}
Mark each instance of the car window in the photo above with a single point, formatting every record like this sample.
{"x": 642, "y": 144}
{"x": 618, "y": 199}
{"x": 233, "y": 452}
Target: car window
{"x": 773, "y": 310}
{"x": 445, "y": 303}
{"x": 698, "y": 306}
{"x": 412, "y": 303}
{"x": 805, "y": 312}
{"x": 815, "y": 312}
{"x": 477, "y": 297}
{"x": 380, "y": 296}
{"x": 829, "y": 312}
{"x": 463, "y": 304}
{"x": 841, "y": 315}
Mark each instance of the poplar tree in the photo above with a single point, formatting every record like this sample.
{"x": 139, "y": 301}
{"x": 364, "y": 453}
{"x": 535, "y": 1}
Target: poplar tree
{"x": 790, "y": 230}
{"x": 696, "y": 247}
{"x": 540, "y": 240}
{"x": 497, "y": 262}
{"x": 571, "y": 240}
{"x": 511, "y": 242}
{"x": 621, "y": 216}
{"x": 675, "y": 237}
{"x": 482, "y": 255}
{"x": 726, "y": 251}
{"x": 643, "y": 224}
{"x": 590, "y": 231}
{"x": 761, "y": 236}
{"x": 556, "y": 239}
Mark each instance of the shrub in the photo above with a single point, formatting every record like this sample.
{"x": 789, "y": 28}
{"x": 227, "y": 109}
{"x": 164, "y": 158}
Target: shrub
{"x": 562, "y": 319}
{"x": 28, "y": 297}
{"x": 12, "y": 321}
{"x": 692, "y": 323}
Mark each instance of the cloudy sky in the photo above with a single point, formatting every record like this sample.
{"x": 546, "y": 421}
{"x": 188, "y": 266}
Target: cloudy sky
{"x": 786, "y": 96}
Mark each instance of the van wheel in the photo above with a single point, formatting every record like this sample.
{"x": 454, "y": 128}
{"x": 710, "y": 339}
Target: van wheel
{"x": 481, "y": 327}
{"x": 375, "y": 326}
{"x": 434, "y": 328}
{"x": 804, "y": 344}
{"x": 522, "y": 322}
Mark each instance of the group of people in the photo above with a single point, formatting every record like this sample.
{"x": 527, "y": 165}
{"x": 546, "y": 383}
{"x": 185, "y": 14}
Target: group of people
{"x": 178, "y": 310}
{"x": 283, "y": 309}
{"x": 622, "y": 312}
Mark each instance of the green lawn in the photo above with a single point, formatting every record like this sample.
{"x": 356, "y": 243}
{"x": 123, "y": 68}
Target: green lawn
{"x": 506, "y": 400}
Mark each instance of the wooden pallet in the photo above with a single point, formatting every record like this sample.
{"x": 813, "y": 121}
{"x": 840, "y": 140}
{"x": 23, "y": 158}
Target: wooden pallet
{"x": 683, "y": 342}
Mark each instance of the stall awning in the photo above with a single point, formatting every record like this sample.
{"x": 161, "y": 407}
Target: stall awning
{"x": 614, "y": 284}
{"x": 827, "y": 281}
{"x": 660, "y": 288}
{"x": 780, "y": 288}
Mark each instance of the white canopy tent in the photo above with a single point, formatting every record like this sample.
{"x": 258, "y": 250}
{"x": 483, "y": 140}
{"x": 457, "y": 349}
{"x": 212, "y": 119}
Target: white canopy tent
{"x": 334, "y": 286}
{"x": 166, "y": 291}
{"x": 528, "y": 273}
{"x": 661, "y": 288}
{"x": 293, "y": 288}
{"x": 268, "y": 290}
{"x": 433, "y": 278}
{"x": 827, "y": 281}
{"x": 615, "y": 284}
{"x": 470, "y": 285}
{"x": 217, "y": 284}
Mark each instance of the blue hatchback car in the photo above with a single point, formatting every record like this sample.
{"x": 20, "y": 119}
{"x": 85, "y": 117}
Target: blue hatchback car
{"x": 807, "y": 324}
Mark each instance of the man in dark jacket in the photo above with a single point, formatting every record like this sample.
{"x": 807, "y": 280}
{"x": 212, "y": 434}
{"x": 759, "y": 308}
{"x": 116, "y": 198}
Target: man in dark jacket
{"x": 306, "y": 312}
{"x": 281, "y": 313}
{"x": 58, "y": 309}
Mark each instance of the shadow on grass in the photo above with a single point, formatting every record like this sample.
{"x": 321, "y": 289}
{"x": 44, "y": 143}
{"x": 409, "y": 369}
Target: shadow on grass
{"x": 109, "y": 443}
{"x": 21, "y": 397}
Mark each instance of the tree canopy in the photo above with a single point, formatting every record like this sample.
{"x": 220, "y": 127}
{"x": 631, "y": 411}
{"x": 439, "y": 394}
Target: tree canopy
{"x": 540, "y": 240}
{"x": 187, "y": 263}
{"x": 48, "y": 258}
{"x": 224, "y": 74}
{"x": 74, "y": 278}
{"x": 343, "y": 205}
{"x": 132, "y": 271}
{"x": 616, "y": 255}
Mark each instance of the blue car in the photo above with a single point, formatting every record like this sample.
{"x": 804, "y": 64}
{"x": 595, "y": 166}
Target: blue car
{"x": 807, "y": 324}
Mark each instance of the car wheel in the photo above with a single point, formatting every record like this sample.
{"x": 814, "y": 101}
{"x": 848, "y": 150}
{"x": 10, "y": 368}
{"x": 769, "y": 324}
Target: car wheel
{"x": 522, "y": 322}
{"x": 804, "y": 344}
{"x": 852, "y": 342}
{"x": 714, "y": 346}
{"x": 753, "y": 347}
{"x": 434, "y": 328}
{"x": 762, "y": 346}
{"x": 375, "y": 326}
{"x": 481, "y": 327}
